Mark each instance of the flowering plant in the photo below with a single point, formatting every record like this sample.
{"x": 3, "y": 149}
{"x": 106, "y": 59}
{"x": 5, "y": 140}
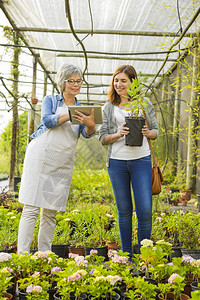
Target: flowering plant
{"x": 118, "y": 260}
{"x": 178, "y": 284}
{"x": 196, "y": 271}
{"x": 152, "y": 256}
{"x": 25, "y": 264}
{"x": 73, "y": 278}
{"x": 102, "y": 283}
{"x": 5, "y": 278}
{"x": 5, "y": 259}
{"x": 94, "y": 258}
{"x": 36, "y": 286}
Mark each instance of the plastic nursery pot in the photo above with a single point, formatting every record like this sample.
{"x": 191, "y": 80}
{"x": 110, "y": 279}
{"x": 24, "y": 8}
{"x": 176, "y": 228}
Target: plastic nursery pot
{"x": 135, "y": 137}
{"x": 8, "y": 296}
{"x": 78, "y": 250}
{"x": 193, "y": 253}
{"x": 194, "y": 286}
{"x": 61, "y": 250}
{"x": 170, "y": 296}
{"x": 72, "y": 297}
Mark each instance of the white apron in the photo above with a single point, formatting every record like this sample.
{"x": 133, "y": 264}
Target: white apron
{"x": 48, "y": 167}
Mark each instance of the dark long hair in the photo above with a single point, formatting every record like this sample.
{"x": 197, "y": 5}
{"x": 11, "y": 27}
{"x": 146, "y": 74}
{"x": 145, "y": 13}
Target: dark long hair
{"x": 113, "y": 97}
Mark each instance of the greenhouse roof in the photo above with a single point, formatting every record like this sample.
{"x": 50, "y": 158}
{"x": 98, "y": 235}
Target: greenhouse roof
{"x": 101, "y": 35}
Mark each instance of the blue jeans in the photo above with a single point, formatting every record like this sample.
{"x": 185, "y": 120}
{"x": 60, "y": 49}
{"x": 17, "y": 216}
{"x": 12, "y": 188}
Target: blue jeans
{"x": 122, "y": 174}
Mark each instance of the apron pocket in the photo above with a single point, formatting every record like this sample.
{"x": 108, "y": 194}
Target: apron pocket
{"x": 58, "y": 162}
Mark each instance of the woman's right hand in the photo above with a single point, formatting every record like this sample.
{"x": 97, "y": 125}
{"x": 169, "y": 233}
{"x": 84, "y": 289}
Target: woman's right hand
{"x": 124, "y": 130}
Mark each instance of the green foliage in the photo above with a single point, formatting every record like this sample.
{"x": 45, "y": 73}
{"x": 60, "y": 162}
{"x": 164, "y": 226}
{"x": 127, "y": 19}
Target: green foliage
{"x": 5, "y": 142}
{"x": 90, "y": 154}
{"x": 135, "y": 104}
{"x": 90, "y": 186}
{"x": 9, "y": 223}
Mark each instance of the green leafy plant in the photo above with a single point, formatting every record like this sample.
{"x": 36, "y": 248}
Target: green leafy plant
{"x": 136, "y": 104}
{"x": 5, "y": 282}
{"x": 142, "y": 290}
{"x": 35, "y": 286}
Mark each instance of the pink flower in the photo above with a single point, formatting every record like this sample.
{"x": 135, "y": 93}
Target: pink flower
{"x": 81, "y": 261}
{"x": 188, "y": 259}
{"x": 144, "y": 267}
{"x": 55, "y": 270}
{"x": 34, "y": 289}
{"x": 35, "y": 274}
{"x": 172, "y": 277}
{"x": 119, "y": 259}
{"x": 8, "y": 269}
{"x": 74, "y": 277}
{"x": 93, "y": 251}
{"x": 159, "y": 219}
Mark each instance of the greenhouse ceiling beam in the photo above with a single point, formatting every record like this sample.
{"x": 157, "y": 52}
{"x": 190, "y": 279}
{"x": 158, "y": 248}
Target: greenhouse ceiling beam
{"x": 116, "y": 58}
{"x": 113, "y": 32}
{"x": 98, "y": 52}
{"x": 24, "y": 39}
{"x": 110, "y": 74}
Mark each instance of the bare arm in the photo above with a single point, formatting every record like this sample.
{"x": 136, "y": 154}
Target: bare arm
{"x": 151, "y": 134}
{"x": 111, "y": 138}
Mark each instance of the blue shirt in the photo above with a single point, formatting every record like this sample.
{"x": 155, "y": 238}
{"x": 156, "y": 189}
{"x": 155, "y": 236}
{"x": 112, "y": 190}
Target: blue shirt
{"x": 48, "y": 117}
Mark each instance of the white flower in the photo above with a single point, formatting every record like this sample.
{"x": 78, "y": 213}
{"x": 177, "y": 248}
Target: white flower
{"x": 147, "y": 243}
{"x": 111, "y": 253}
{"x": 72, "y": 255}
{"x": 5, "y": 256}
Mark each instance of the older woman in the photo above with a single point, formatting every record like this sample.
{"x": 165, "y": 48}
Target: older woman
{"x": 49, "y": 161}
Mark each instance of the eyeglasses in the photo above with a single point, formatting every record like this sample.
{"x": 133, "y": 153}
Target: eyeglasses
{"x": 72, "y": 81}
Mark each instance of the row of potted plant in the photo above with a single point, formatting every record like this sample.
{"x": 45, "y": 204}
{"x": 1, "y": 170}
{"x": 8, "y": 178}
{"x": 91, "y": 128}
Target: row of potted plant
{"x": 94, "y": 227}
{"x": 149, "y": 275}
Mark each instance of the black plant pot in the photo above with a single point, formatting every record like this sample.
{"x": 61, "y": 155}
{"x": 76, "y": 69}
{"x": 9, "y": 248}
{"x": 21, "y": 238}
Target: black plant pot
{"x": 194, "y": 286}
{"x": 83, "y": 296}
{"x": 135, "y": 137}
{"x": 61, "y": 250}
{"x": 22, "y": 295}
{"x": 176, "y": 253}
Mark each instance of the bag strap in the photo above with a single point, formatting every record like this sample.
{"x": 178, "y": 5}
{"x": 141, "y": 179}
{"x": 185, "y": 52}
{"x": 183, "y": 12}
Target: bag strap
{"x": 150, "y": 145}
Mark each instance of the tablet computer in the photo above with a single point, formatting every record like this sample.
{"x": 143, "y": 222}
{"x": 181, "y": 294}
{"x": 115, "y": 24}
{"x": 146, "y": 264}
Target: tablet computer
{"x": 86, "y": 109}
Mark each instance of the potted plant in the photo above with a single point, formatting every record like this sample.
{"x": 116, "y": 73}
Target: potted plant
{"x": 113, "y": 238}
{"x": 142, "y": 290}
{"x": 175, "y": 283}
{"x": 5, "y": 282}
{"x": 189, "y": 232}
{"x": 34, "y": 287}
{"x": 135, "y": 120}
{"x": 61, "y": 237}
